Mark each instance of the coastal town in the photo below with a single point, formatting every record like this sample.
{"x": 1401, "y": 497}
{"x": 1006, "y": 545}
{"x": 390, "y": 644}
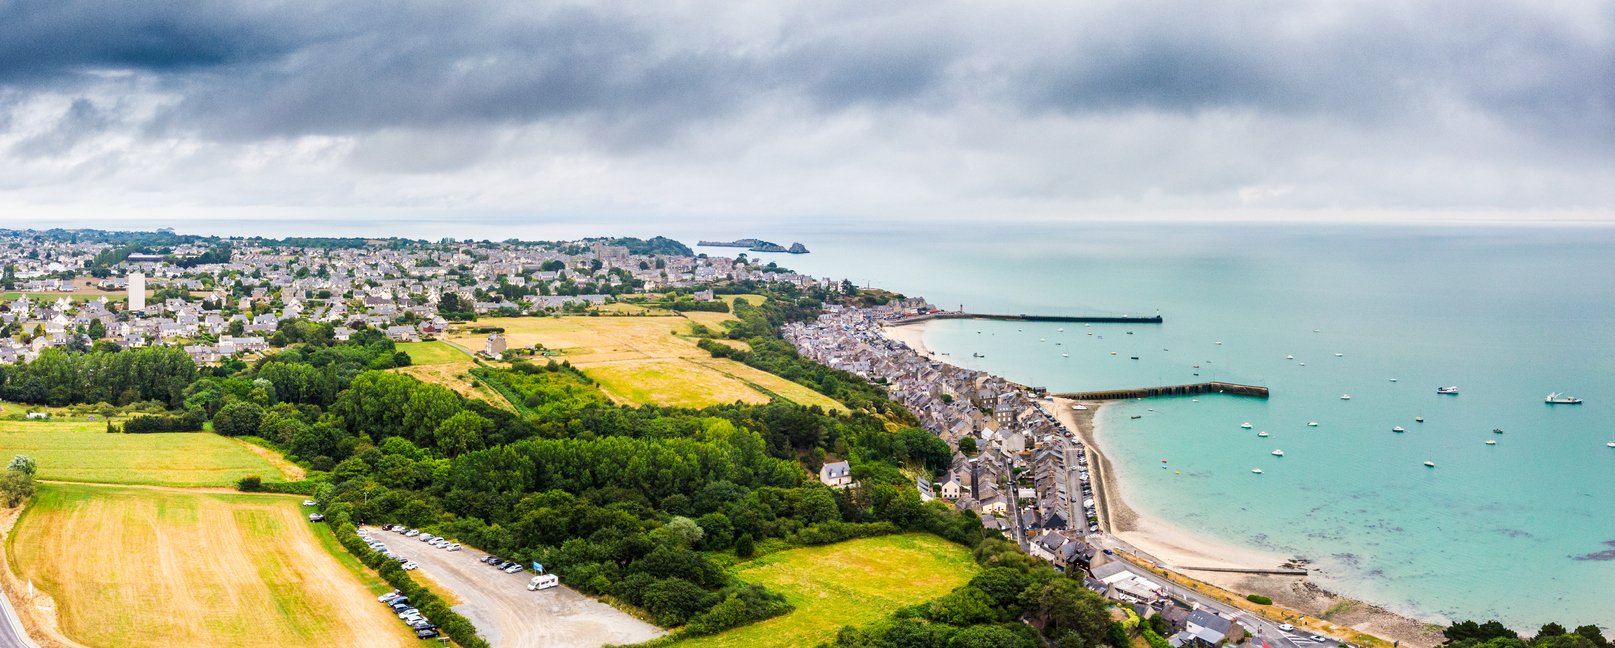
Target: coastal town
{"x": 226, "y": 298}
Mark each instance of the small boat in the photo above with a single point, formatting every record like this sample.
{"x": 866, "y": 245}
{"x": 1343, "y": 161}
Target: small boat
{"x": 1263, "y": 433}
{"x": 1418, "y": 419}
{"x": 1058, "y": 330}
{"x": 977, "y": 355}
{"x": 1399, "y": 429}
{"x": 1491, "y": 442}
{"x": 1278, "y": 453}
{"x": 1314, "y": 330}
{"x": 1557, "y": 398}
{"x": 1429, "y": 464}
{"x": 1256, "y": 470}
{"x": 1611, "y": 444}
{"x": 1063, "y": 355}
{"x": 1451, "y": 391}
{"x": 1345, "y": 397}
{"x": 1042, "y": 340}
{"x": 1135, "y": 357}
{"x": 1219, "y": 344}
{"x": 1312, "y": 424}
{"x": 1196, "y": 366}
{"x": 1289, "y": 357}
{"x": 1340, "y": 355}
{"x": 1497, "y": 430}
{"x": 1303, "y": 364}
{"x": 1393, "y": 380}
{"x": 1112, "y": 353}
{"x": 1129, "y": 332}
{"x": 1247, "y": 425}
{"x": 1137, "y": 416}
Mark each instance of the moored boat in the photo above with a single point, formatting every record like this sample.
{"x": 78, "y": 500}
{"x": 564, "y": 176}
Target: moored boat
{"x": 1429, "y": 464}
{"x": 1399, "y": 429}
{"x": 1278, "y": 453}
{"x": 1557, "y": 398}
{"x": 1247, "y": 425}
{"x": 1451, "y": 391}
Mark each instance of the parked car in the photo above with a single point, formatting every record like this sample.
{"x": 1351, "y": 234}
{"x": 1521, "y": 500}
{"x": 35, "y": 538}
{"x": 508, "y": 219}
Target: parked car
{"x": 513, "y": 568}
{"x": 454, "y": 546}
{"x": 409, "y": 565}
{"x": 316, "y": 517}
{"x": 427, "y": 537}
{"x": 487, "y": 560}
{"x": 411, "y": 533}
{"x": 389, "y": 597}
{"x": 1317, "y": 638}
{"x": 1282, "y": 626}
{"x": 310, "y": 503}
{"x": 425, "y": 633}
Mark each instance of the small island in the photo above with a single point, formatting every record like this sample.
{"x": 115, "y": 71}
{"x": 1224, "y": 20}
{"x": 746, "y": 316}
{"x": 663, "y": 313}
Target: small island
{"x": 758, "y": 245}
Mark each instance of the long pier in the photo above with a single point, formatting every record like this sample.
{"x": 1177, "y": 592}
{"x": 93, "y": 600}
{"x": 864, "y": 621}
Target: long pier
{"x": 1125, "y": 319}
{"x": 1213, "y": 387}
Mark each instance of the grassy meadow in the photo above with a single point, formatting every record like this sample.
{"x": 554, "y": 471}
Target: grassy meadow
{"x": 850, "y": 583}
{"x": 85, "y": 452}
{"x": 131, "y": 566}
{"x": 649, "y": 360}
{"x": 434, "y": 353}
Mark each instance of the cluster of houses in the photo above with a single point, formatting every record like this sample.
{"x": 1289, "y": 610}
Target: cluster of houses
{"x": 234, "y": 307}
{"x": 1027, "y": 479}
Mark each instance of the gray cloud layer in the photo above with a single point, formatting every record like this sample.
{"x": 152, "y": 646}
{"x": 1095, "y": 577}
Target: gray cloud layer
{"x": 813, "y": 107}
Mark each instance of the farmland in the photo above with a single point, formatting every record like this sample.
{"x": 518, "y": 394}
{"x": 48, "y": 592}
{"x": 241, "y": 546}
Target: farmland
{"x": 648, "y": 360}
{"x": 433, "y": 353}
{"x": 85, "y": 452}
{"x": 132, "y": 566}
{"x": 850, "y": 583}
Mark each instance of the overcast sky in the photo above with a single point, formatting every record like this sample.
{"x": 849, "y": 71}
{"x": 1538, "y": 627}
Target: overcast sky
{"x": 145, "y": 111}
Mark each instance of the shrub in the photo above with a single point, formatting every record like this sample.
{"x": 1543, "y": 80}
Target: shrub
{"x": 250, "y": 484}
{"x": 1259, "y": 599}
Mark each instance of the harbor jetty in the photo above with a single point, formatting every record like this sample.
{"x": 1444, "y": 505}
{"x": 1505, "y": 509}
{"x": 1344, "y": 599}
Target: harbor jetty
{"x": 1214, "y": 387}
{"x": 939, "y": 315}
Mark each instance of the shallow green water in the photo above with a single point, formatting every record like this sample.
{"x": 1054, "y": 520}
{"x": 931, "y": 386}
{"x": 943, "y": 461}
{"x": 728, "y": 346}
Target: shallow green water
{"x": 1508, "y": 531}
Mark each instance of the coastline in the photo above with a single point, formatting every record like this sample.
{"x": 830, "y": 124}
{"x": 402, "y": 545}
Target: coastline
{"x": 1179, "y": 550}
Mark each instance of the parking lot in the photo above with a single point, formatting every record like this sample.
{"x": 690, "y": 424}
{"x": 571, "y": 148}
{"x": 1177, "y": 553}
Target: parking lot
{"x": 507, "y": 614}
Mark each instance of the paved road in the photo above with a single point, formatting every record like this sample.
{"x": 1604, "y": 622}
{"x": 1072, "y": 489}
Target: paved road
{"x": 1266, "y": 630}
{"x": 11, "y": 633}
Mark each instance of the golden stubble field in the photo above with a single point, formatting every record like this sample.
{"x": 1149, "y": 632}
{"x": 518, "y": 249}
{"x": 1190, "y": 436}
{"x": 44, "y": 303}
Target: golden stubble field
{"x": 649, "y": 360}
{"x": 140, "y": 566}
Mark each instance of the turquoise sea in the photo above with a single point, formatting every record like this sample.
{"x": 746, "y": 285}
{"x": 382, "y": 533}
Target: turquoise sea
{"x": 1522, "y": 530}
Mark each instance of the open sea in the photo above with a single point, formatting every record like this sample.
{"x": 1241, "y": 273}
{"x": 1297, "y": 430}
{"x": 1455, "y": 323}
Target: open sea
{"x": 1522, "y": 531}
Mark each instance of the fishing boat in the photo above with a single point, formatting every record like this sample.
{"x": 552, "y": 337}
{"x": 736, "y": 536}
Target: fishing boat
{"x": 1345, "y": 397}
{"x": 1399, "y": 429}
{"x": 1497, "y": 430}
{"x": 1219, "y": 344}
{"x": 1247, "y": 425}
{"x": 1302, "y": 364}
{"x": 1065, "y": 355}
{"x": 1135, "y": 357}
{"x": 1137, "y": 416}
{"x": 1278, "y": 453}
{"x": 1557, "y": 398}
{"x": 1429, "y": 464}
{"x": 1340, "y": 355}
{"x": 977, "y": 355}
{"x": 1312, "y": 424}
{"x": 1393, "y": 380}
{"x": 1289, "y": 357}
{"x": 1418, "y": 419}
{"x": 1451, "y": 391}
{"x": 1263, "y": 433}
{"x": 1491, "y": 442}
{"x": 1256, "y": 470}
{"x": 1059, "y": 330}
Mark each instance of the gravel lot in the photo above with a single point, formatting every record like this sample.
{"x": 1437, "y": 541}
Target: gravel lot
{"x": 507, "y": 614}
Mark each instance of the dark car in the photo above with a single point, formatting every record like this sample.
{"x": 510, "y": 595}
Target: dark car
{"x": 399, "y": 605}
{"x": 486, "y": 560}
{"x": 423, "y": 624}
{"x": 386, "y": 527}
{"x": 425, "y": 633}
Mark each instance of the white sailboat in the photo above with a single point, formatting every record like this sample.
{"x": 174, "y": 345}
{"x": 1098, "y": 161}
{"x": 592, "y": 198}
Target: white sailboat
{"x": 1247, "y": 425}
{"x": 1278, "y": 453}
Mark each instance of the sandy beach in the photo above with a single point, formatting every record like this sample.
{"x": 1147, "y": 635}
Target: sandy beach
{"x": 1181, "y": 550}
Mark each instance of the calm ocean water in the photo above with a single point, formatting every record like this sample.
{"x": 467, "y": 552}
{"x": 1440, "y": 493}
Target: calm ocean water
{"x": 1505, "y": 531}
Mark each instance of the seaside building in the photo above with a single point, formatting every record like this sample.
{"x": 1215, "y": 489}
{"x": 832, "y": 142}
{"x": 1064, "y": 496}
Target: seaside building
{"x": 137, "y": 291}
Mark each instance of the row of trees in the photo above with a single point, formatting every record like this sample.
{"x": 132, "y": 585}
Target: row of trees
{"x": 119, "y": 377}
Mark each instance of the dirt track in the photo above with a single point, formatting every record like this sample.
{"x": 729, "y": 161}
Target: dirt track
{"x": 508, "y": 615}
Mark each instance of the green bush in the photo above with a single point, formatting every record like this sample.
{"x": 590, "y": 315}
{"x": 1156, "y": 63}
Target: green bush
{"x": 250, "y": 484}
{"x": 1259, "y": 599}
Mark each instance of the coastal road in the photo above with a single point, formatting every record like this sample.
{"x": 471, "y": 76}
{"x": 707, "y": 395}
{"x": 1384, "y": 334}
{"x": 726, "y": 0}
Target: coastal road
{"x": 11, "y": 633}
{"x": 1266, "y": 630}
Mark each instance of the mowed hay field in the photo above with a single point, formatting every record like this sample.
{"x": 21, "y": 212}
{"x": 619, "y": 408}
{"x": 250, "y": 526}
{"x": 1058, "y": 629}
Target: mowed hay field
{"x": 85, "y": 452}
{"x": 647, "y": 361}
{"x": 850, "y": 583}
{"x": 133, "y": 566}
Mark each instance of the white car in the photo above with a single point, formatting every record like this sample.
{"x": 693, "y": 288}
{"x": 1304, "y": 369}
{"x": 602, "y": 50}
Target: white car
{"x": 409, "y": 565}
{"x": 411, "y": 533}
{"x": 1286, "y": 627}
{"x": 310, "y": 503}
{"x": 513, "y": 569}
{"x": 454, "y": 547}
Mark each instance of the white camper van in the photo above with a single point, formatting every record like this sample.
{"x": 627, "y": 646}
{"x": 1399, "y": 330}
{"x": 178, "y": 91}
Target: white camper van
{"x": 543, "y": 581}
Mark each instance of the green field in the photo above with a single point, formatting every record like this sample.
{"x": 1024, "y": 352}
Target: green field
{"x": 132, "y": 566}
{"x": 432, "y": 353}
{"x": 851, "y": 583}
{"x": 84, "y": 452}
